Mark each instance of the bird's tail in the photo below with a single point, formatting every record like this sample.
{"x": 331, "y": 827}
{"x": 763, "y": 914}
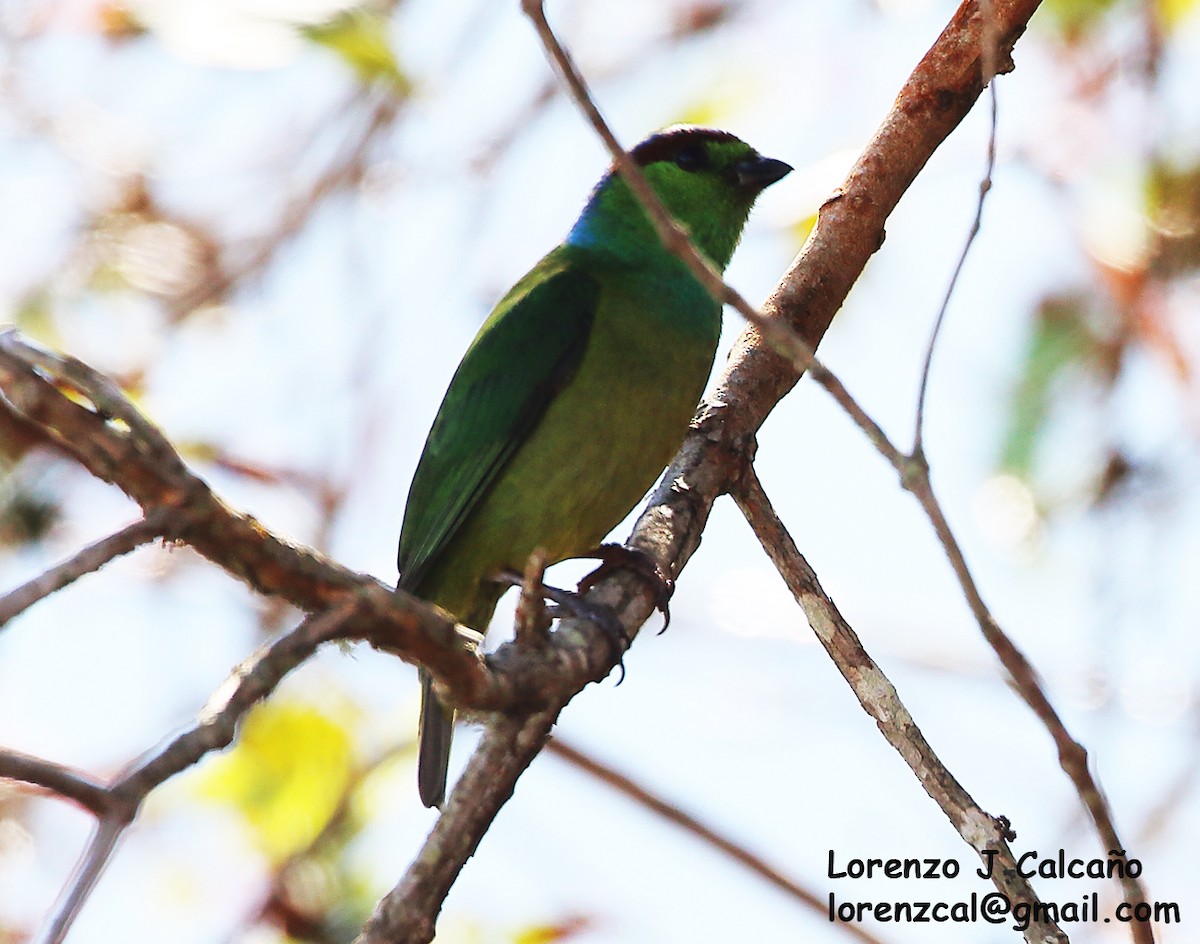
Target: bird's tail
{"x": 434, "y": 734}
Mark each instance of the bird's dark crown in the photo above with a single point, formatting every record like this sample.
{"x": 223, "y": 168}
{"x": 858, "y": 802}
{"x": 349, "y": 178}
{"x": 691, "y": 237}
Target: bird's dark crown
{"x": 669, "y": 144}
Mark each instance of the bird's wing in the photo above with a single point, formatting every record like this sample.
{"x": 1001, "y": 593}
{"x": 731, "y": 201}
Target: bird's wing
{"x": 528, "y": 350}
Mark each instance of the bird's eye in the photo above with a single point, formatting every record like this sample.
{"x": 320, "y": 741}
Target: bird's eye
{"x": 691, "y": 158}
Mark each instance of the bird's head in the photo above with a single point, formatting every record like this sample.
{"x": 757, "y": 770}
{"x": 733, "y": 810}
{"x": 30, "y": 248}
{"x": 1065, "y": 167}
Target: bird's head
{"x": 707, "y": 179}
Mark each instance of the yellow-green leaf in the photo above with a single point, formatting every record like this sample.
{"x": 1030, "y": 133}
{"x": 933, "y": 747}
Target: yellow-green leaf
{"x": 1073, "y": 17}
{"x": 1172, "y": 12}
{"x": 286, "y": 775}
{"x": 360, "y": 37}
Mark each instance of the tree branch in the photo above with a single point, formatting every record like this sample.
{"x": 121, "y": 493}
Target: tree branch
{"x": 98, "y": 427}
{"x": 408, "y": 913}
{"x": 881, "y": 701}
{"x": 55, "y": 778}
{"x": 706, "y": 834}
{"x": 90, "y": 559}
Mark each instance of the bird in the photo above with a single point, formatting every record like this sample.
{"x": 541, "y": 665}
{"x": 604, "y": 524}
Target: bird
{"x": 574, "y": 395}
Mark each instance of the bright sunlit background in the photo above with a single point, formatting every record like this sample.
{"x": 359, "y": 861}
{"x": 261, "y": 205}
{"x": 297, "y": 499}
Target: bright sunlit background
{"x": 279, "y": 224}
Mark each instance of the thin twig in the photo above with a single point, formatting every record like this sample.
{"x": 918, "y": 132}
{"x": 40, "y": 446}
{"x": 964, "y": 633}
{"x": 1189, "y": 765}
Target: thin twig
{"x": 985, "y": 185}
{"x": 881, "y": 701}
{"x": 250, "y": 683}
{"x": 55, "y": 778}
{"x": 90, "y": 559}
{"x": 1072, "y": 756}
{"x": 673, "y": 814}
{"x": 91, "y": 866}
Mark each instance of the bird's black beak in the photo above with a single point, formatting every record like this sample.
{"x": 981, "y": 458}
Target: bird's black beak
{"x": 758, "y": 173}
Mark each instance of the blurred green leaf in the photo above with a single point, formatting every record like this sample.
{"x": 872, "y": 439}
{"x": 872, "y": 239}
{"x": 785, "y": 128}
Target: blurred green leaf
{"x": 1061, "y": 339}
{"x": 35, "y": 316}
{"x": 286, "y": 775}
{"x": 360, "y": 37}
{"x": 1173, "y": 206}
{"x": 1074, "y": 17}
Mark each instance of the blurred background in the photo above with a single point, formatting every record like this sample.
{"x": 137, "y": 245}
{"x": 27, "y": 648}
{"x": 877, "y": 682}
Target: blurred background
{"x": 278, "y": 225}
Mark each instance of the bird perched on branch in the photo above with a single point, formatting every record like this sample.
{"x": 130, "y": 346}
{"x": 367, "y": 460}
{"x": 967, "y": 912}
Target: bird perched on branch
{"x": 575, "y": 393}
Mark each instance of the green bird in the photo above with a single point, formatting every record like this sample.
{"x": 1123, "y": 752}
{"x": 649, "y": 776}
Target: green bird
{"x": 575, "y": 393}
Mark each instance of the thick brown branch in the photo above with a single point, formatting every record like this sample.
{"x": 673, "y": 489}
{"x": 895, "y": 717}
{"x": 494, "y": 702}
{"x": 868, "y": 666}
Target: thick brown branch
{"x": 407, "y": 914}
{"x": 107, "y": 435}
{"x": 113, "y": 441}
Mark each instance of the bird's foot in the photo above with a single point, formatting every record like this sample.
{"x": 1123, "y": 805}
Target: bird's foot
{"x": 533, "y": 621}
{"x": 573, "y": 604}
{"x": 615, "y": 557}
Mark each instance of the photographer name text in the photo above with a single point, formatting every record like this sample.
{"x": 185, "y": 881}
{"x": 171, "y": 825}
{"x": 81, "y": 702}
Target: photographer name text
{"x": 996, "y": 907}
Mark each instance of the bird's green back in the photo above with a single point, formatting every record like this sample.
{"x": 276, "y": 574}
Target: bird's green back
{"x": 526, "y": 351}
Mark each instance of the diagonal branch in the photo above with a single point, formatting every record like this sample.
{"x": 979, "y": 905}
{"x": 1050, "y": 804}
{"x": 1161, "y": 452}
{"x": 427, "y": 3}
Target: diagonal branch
{"x": 408, "y": 912}
{"x": 879, "y": 698}
{"x": 706, "y": 834}
{"x": 1072, "y": 756}
{"x": 985, "y": 185}
{"x": 90, "y": 559}
{"x": 55, "y": 778}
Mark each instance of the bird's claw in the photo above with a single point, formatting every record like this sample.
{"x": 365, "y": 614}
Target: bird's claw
{"x": 615, "y": 557}
{"x": 602, "y": 616}
{"x": 575, "y": 605}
